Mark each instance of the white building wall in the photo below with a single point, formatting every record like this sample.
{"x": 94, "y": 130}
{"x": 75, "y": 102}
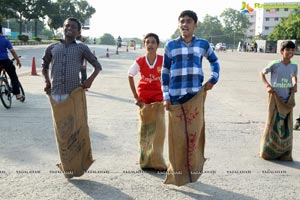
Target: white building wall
{"x": 265, "y": 20}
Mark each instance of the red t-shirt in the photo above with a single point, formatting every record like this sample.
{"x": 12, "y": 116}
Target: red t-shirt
{"x": 149, "y": 87}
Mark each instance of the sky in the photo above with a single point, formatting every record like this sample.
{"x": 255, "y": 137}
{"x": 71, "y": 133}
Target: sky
{"x": 135, "y": 18}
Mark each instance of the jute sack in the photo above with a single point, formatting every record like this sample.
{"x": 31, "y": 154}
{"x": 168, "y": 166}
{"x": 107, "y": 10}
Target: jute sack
{"x": 186, "y": 141}
{"x": 152, "y": 136}
{"x": 277, "y": 139}
{"x": 72, "y": 134}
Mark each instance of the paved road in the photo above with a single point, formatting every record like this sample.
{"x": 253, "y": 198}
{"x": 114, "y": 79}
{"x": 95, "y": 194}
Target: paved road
{"x": 235, "y": 115}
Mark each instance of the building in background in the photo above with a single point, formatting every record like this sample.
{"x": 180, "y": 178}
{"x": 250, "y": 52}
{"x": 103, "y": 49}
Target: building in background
{"x": 267, "y": 15}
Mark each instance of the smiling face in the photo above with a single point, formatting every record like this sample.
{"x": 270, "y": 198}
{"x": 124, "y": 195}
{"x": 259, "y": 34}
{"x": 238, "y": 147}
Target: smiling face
{"x": 71, "y": 29}
{"x": 186, "y": 26}
{"x": 288, "y": 53}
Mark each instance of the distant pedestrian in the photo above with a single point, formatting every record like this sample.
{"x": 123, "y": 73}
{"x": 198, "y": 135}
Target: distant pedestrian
{"x": 255, "y": 47}
{"x": 150, "y": 101}
{"x": 277, "y": 139}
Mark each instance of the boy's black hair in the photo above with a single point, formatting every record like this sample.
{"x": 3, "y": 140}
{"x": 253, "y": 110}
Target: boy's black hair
{"x": 74, "y": 20}
{"x": 287, "y": 44}
{"x": 189, "y": 13}
{"x": 0, "y": 28}
{"x": 151, "y": 35}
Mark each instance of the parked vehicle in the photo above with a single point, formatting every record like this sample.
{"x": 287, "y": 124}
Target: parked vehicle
{"x": 220, "y": 47}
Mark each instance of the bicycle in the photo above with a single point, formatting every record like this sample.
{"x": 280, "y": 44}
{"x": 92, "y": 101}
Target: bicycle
{"x": 6, "y": 92}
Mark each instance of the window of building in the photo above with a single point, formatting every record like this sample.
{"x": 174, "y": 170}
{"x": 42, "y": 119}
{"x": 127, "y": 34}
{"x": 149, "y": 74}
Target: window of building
{"x": 286, "y": 9}
{"x": 266, "y": 28}
{"x": 267, "y": 19}
{"x": 276, "y": 18}
{"x": 277, "y": 9}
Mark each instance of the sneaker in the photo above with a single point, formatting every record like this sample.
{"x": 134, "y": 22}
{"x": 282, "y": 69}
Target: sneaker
{"x": 297, "y": 124}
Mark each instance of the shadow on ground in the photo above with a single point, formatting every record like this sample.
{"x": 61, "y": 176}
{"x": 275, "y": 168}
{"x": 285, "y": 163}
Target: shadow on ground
{"x": 98, "y": 190}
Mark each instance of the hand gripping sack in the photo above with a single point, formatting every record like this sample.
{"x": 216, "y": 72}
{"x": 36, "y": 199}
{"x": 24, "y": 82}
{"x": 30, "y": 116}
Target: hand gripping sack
{"x": 72, "y": 134}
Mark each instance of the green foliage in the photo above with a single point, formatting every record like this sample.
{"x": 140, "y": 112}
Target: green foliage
{"x": 107, "y": 39}
{"x": 23, "y": 38}
{"x": 210, "y": 29}
{"x": 232, "y": 29}
{"x": 37, "y": 39}
{"x": 62, "y": 9}
{"x": 288, "y": 28}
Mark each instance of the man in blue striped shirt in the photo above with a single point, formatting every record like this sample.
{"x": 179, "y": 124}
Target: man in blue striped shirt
{"x": 182, "y": 74}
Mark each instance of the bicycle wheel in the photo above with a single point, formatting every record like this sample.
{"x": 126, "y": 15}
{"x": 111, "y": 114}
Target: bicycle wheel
{"x": 22, "y": 93}
{"x": 5, "y": 94}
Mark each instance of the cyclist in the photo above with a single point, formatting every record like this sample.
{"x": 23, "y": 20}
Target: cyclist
{"x": 8, "y": 65}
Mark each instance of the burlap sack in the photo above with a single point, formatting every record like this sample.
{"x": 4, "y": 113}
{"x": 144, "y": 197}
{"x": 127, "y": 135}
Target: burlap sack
{"x": 277, "y": 139}
{"x": 152, "y": 136}
{"x": 186, "y": 141}
{"x": 72, "y": 133}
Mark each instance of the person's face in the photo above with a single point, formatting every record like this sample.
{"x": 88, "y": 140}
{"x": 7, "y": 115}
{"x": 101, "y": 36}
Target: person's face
{"x": 71, "y": 29}
{"x": 288, "y": 53}
{"x": 151, "y": 44}
{"x": 186, "y": 26}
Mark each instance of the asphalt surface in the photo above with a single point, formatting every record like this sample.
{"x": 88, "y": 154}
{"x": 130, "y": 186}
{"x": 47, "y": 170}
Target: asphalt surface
{"x": 235, "y": 114}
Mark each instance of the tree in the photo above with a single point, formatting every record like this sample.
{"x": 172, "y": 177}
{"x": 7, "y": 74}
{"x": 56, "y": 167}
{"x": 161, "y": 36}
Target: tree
{"x": 14, "y": 9}
{"x": 6, "y": 10}
{"x": 208, "y": 29}
{"x": 211, "y": 29}
{"x": 288, "y": 28}
{"x": 62, "y": 9}
{"x": 235, "y": 25}
{"x": 107, "y": 39}
{"x": 37, "y": 9}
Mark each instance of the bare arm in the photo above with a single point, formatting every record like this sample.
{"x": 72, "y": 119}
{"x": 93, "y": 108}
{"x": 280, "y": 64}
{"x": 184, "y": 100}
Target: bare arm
{"x": 295, "y": 81}
{"x": 138, "y": 101}
{"x": 88, "y": 82}
{"x": 15, "y": 55}
{"x": 266, "y": 83}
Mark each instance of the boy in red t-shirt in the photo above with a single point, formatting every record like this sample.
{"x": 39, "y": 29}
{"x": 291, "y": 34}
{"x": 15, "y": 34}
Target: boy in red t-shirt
{"x": 149, "y": 66}
{"x": 150, "y": 101}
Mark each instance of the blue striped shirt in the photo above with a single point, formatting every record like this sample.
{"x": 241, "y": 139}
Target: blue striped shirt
{"x": 182, "y": 72}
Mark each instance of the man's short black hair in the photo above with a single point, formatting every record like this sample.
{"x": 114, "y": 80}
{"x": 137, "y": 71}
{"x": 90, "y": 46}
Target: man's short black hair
{"x": 189, "y": 13}
{"x": 152, "y": 35}
{"x": 287, "y": 44}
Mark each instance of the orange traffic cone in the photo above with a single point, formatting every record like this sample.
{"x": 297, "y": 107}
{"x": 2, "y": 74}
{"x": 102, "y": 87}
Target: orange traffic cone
{"x": 107, "y": 53}
{"x": 33, "y": 67}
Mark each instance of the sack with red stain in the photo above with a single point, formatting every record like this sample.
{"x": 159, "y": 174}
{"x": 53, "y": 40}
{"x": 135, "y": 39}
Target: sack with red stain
{"x": 186, "y": 141}
{"x": 152, "y": 136}
{"x": 72, "y": 134}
